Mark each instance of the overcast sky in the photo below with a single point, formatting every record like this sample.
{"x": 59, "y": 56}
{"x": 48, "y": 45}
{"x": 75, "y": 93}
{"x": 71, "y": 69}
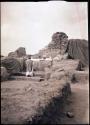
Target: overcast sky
{"x": 31, "y": 24}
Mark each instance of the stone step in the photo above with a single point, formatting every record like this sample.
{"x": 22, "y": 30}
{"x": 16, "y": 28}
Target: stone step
{"x": 26, "y": 78}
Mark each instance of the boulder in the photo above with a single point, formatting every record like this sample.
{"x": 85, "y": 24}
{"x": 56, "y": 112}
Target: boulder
{"x": 59, "y": 36}
{"x": 11, "y": 64}
{"x": 4, "y": 74}
{"x": 20, "y": 52}
{"x": 70, "y": 114}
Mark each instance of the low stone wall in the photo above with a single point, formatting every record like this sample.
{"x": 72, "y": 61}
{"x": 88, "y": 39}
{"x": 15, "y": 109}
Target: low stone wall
{"x": 41, "y": 65}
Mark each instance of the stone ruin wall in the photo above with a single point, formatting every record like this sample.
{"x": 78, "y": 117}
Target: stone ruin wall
{"x": 53, "y": 48}
{"x": 49, "y": 52}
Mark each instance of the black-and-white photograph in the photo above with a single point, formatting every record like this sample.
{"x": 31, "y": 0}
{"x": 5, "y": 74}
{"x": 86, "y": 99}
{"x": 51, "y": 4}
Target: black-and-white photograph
{"x": 44, "y": 63}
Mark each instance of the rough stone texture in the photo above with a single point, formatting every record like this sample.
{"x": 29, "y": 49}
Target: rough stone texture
{"x": 57, "y": 58}
{"x": 4, "y": 74}
{"x": 49, "y": 52}
{"x": 26, "y": 102}
{"x": 61, "y": 69}
{"x": 20, "y": 52}
{"x": 13, "y": 54}
{"x": 41, "y": 65}
{"x": 21, "y": 60}
{"x": 57, "y": 45}
{"x": 11, "y": 64}
{"x": 57, "y": 39}
{"x": 66, "y": 65}
{"x": 78, "y": 49}
{"x": 57, "y": 75}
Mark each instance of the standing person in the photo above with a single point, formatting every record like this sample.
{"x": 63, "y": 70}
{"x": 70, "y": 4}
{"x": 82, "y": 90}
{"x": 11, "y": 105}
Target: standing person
{"x": 29, "y": 67}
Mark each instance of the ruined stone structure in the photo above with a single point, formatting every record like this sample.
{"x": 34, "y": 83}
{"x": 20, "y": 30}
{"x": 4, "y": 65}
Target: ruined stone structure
{"x": 20, "y": 52}
{"x": 60, "y": 44}
{"x": 54, "y": 47}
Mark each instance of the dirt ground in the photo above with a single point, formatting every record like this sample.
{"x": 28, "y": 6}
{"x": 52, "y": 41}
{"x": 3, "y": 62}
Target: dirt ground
{"x": 78, "y": 104}
{"x": 20, "y": 100}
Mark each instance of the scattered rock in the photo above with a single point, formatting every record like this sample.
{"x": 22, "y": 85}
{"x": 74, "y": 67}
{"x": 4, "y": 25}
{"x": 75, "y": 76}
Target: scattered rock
{"x": 70, "y": 114}
{"x": 29, "y": 89}
{"x": 41, "y": 79}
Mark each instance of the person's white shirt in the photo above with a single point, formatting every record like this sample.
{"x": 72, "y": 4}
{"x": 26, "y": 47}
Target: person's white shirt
{"x": 29, "y": 69}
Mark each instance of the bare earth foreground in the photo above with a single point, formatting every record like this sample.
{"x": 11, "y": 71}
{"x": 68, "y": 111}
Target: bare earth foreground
{"x": 27, "y": 102}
